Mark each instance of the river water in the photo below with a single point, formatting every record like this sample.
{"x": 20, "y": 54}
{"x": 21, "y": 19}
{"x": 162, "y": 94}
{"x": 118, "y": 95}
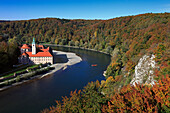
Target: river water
{"x": 36, "y": 95}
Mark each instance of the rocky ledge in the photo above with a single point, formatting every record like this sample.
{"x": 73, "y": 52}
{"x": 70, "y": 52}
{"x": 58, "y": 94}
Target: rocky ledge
{"x": 144, "y": 71}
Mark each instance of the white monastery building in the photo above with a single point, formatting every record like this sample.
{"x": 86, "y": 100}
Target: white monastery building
{"x": 36, "y": 54}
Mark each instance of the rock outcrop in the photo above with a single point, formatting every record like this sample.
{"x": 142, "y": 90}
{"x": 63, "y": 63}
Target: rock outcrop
{"x": 144, "y": 73}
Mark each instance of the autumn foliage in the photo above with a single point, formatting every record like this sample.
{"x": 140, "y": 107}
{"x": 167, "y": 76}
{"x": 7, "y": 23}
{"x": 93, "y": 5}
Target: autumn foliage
{"x": 130, "y": 38}
{"x": 127, "y": 39}
{"x": 141, "y": 98}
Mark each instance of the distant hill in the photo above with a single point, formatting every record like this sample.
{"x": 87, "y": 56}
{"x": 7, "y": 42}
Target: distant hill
{"x": 4, "y": 21}
{"x": 132, "y": 35}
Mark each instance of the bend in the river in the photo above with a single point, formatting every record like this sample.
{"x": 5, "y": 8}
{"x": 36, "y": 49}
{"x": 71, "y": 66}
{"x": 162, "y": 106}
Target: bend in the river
{"x": 34, "y": 96}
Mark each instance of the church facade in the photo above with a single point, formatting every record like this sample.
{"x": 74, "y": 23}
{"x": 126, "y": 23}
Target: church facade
{"x": 35, "y": 54}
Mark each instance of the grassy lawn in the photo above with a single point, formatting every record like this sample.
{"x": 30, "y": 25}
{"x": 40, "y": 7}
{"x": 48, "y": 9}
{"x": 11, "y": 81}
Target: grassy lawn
{"x": 25, "y": 76}
{"x": 13, "y": 69}
{"x": 10, "y": 76}
{"x": 14, "y": 72}
{"x": 21, "y": 70}
{"x": 33, "y": 66}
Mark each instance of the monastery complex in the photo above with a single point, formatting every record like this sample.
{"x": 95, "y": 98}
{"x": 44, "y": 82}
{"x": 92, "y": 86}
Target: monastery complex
{"x": 35, "y": 54}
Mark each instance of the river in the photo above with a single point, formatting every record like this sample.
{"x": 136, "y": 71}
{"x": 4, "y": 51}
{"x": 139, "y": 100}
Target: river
{"x": 36, "y": 95}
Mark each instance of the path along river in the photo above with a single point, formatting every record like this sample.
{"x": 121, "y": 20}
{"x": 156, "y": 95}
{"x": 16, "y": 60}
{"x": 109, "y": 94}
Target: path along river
{"x": 36, "y": 95}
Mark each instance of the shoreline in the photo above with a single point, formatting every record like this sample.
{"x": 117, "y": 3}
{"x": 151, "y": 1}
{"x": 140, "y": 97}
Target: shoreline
{"x": 104, "y": 73}
{"x": 78, "y": 48}
{"x": 71, "y": 57}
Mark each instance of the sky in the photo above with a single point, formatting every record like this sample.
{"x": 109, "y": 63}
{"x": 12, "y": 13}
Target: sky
{"x": 79, "y": 9}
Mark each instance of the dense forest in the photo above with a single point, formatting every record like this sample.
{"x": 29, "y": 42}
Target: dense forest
{"x": 9, "y": 52}
{"x": 127, "y": 39}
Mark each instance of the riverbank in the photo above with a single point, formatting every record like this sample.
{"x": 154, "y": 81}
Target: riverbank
{"x": 104, "y": 73}
{"x": 45, "y": 91}
{"x": 61, "y": 61}
{"x": 77, "y": 48}
{"x": 68, "y": 59}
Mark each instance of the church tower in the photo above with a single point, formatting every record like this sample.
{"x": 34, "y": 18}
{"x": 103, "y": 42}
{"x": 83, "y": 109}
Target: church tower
{"x": 33, "y": 47}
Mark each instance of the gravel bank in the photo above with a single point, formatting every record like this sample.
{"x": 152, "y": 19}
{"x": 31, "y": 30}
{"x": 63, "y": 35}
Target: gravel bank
{"x": 65, "y": 58}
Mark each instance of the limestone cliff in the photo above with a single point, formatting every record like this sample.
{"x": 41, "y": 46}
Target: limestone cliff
{"x": 144, "y": 73}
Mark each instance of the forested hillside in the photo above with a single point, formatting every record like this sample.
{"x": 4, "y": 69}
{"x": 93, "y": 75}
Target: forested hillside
{"x": 127, "y": 39}
{"x": 9, "y": 52}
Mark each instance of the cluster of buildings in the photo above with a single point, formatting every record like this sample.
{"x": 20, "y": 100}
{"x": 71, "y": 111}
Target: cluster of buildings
{"x": 35, "y": 54}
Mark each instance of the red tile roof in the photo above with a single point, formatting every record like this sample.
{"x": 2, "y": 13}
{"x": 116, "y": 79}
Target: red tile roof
{"x": 25, "y": 46}
{"x": 43, "y": 53}
{"x": 40, "y": 54}
{"x": 24, "y": 54}
{"x": 45, "y": 50}
{"x": 41, "y": 46}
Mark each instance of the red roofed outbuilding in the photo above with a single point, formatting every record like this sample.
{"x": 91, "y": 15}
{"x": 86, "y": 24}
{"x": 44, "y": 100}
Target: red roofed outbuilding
{"x": 25, "y": 48}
